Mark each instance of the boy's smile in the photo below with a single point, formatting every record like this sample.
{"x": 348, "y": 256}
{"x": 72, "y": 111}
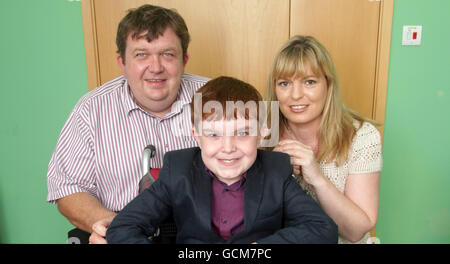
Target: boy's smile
{"x": 228, "y": 148}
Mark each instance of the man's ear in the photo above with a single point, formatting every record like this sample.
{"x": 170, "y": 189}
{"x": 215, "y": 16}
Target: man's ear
{"x": 121, "y": 62}
{"x": 185, "y": 59}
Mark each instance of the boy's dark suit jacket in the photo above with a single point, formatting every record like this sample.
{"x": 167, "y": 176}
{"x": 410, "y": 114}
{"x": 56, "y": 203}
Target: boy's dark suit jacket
{"x": 277, "y": 210}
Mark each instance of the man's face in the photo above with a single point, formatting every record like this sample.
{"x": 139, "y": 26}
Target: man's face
{"x": 153, "y": 70}
{"x": 229, "y": 147}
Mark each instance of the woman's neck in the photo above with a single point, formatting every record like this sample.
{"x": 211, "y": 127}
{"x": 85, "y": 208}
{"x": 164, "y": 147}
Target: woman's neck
{"x": 307, "y": 134}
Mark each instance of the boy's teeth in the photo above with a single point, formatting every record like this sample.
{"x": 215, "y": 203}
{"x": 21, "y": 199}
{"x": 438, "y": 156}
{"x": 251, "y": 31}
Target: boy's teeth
{"x": 228, "y": 160}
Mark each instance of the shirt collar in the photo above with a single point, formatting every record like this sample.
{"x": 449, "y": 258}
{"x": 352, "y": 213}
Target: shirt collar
{"x": 127, "y": 98}
{"x": 235, "y": 186}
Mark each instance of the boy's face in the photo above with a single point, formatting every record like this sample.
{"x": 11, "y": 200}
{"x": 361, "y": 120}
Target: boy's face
{"x": 229, "y": 147}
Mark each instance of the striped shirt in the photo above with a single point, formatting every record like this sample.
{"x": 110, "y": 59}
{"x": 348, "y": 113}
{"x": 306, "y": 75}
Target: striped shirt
{"x": 99, "y": 150}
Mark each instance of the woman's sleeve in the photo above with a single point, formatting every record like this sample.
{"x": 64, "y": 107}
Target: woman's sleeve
{"x": 365, "y": 156}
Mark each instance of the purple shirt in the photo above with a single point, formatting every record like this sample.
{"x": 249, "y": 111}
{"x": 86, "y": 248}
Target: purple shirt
{"x": 227, "y": 206}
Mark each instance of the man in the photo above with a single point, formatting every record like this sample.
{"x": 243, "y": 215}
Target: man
{"x": 94, "y": 171}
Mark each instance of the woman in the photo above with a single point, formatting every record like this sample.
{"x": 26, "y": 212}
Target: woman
{"x": 335, "y": 152}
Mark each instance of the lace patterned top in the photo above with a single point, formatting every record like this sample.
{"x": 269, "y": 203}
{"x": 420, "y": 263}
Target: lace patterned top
{"x": 364, "y": 157}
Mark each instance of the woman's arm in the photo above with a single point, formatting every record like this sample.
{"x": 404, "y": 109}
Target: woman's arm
{"x": 354, "y": 211}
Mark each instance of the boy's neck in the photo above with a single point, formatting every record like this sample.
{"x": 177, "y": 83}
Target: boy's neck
{"x": 228, "y": 183}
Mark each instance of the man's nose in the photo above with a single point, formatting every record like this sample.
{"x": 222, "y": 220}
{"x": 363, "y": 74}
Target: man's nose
{"x": 228, "y": 144}
{"x": 154, "y": 65}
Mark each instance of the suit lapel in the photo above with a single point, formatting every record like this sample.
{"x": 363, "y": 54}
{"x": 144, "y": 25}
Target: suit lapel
{"x": 202, "y": 192}
{"x": 253, "y": 193}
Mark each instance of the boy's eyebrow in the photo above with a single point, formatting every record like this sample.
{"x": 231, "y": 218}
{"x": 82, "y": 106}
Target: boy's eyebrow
{"x": 245, "y": 128}
{"x": 234, "y": 129}
{"x": 218, "y": 129}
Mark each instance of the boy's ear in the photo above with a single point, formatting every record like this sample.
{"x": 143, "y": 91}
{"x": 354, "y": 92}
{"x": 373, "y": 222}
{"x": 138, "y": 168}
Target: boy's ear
{"x": 268, "y": 136}
{"x": 264, "y": 132}
{"x": 195, "y": 135}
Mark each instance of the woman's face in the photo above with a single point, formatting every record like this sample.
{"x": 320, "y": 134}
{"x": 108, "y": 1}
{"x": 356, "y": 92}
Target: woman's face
{"x": 302, "y": 98}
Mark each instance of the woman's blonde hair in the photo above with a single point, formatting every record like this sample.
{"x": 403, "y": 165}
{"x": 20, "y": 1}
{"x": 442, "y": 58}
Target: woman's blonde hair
{"x": 337, "y": 128}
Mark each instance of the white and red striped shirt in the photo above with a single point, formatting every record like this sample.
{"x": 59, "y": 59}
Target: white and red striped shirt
{"x": 99, "y": 150}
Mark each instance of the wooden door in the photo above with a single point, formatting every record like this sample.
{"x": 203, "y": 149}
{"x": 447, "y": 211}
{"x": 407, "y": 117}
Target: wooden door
{"x": 349, "y": 31}
{"x": 240, "y": 39}
{"x": 233, "y": 38}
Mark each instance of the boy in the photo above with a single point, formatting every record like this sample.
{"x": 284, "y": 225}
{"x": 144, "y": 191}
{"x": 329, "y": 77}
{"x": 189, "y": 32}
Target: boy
{"x": 226, "y": 191}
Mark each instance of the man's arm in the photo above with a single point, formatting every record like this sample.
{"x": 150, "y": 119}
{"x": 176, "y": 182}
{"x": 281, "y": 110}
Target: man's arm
{"x": 73, "y": 163}
{"x": 83, "y": 210}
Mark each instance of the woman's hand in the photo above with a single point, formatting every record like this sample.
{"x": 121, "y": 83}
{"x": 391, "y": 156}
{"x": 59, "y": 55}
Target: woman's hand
{"x": 302, "y": 159}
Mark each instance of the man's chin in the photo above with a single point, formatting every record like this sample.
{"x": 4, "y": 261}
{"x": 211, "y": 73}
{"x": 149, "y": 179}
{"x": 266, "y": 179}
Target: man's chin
{"x": 158, "y": 108}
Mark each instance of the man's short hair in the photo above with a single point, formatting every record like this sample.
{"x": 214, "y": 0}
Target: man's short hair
{"x": 243, "y": 96}
{"x": 154, "y": 20}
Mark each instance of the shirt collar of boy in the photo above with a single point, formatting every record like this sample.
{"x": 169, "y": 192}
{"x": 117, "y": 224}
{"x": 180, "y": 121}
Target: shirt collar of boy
{"x": 233, "y": 187}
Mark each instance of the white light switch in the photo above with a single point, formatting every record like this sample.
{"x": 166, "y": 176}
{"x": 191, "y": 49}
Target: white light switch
{"x": 412, "y": 35}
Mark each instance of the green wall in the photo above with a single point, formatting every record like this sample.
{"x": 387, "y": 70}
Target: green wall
{"x": 415, "y": 181}
{"x": 43, "y": 74}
